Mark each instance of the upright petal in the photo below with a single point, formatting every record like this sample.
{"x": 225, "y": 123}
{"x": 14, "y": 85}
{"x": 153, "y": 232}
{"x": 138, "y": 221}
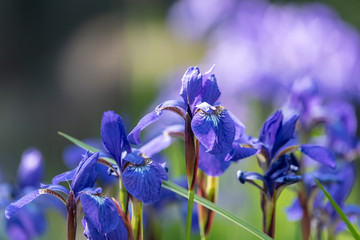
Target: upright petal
{"x": 270, "y": 130}
{"x": 143, "y": 181}
{"x": 212, "y": 164}
{"x": 214, "y": 128}
{"x": 191, "y": 86}
{"x": 86, "y": 174}
{"x": 31, "y": 168}
{"x": 286, "y": 133}
{"x": 320, "y": 154}
{"x": 210, "y": 90}
{"x": 113, "y": 135}
{"x": 100, "y": 211}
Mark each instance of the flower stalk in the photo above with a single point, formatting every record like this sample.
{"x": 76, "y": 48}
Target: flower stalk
{"x": 71, "y": 216}
{"x": 268, "y": 207}
{"x": 137, "y": 218}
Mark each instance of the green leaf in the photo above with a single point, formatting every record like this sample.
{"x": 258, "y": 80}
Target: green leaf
{"x": 337, "y": 208}
{"x": 84, "y": 146}
{"x": 206, "y": 203}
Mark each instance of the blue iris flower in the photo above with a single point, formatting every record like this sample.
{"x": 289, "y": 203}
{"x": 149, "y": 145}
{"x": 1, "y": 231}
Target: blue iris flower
{"x": 99, "y": 209}
{"x": 213, "y": 125}
{"x": 280, "y": 174}
{"x": 30, "y": 222}
{"x": 142, "y": 176}
{"x": 339, "y": 183}
{"x": 274, "y": 141}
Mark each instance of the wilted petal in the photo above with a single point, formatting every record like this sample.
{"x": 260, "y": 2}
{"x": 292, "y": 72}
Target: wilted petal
{"x": 320, "y": 154}
{"x": 214, "y": 128}
{"x": 86, "y": 174}
{"x": 113, "y": 135}
{"x": 100, "y": 211}
{"x": 144, "y": 181}
{"x": 191, "y": 86}
{"x": 212, "y": 164}
{"x": 31, "y": 168}
{"x": 285, "y": 134}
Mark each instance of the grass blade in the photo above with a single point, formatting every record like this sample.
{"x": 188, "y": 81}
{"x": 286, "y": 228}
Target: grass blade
{"x": 337, "y": 208}
{"x": 206, "y": 203}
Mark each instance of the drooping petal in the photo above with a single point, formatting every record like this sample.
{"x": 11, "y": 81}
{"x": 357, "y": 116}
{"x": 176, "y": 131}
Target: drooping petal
{"x": 113, "y": 135}
{"x": 90, "y": 231}
{"x": 210, "y": 90}
{"x": 238, "y": 152}
{"x": 270, "y": 130}
{"x": 191, "y": 86}
{"x": 144, "y": 181}
{"x": 172, "y": 105}
{"x": 212, "y": 164}
{"x": 31, "y": 168}
{"x": 214, "y": 128}
{"x": 286, "y": 133}
{"x": 120, "y": 232}
{"x": 320, "y": 154}
{"x": 86, "y": 174}
{"x": 246, "y": 176}
{"x": 100, "y": 211}
{"x": 134, "y": 158}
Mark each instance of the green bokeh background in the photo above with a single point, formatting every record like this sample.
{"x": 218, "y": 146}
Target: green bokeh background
{"x": 49, "y": 53}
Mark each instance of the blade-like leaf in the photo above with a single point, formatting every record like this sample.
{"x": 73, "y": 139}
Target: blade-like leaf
{"x": 337, "y": 208}
{"x": 85, "y": 146}
{"x": 206, "y": 203}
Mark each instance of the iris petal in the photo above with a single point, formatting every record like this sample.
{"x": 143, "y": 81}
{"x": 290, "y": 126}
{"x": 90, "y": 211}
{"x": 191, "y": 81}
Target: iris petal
{"x": 215, "y": 130}
{"x": 238, "y": 152}
{"x": 100, "y": 211}
{"x": 191, "y": 86}
{"x": 113, "y": 135}
{"x": 320, "y": 154}
{"x": 270, "y": 130}
{"x": 212, "y": 164}
{"x": 144, "y": 181}
{"x": 31, "y": 168}
{"x": 285, "y": 134}
{"x": 210, "y": 89}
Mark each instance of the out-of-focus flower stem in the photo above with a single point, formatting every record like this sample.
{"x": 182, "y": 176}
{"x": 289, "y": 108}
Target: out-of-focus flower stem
{"x": 137, "y": 218}
{"x": 268, "y": 207}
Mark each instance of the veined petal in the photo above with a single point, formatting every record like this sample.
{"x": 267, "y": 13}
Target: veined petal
{"x": 212, "y": 164}
{"x": 191, "y": 86}
{"x": 134, "y": 158}
{"x": 173, "y": 105}
{"x": 320, "y": 154}
{"x": 214, "y": 128}
{"x": 285, "y": 134}
{"x": 113, "y": 135}
{"x": 120, "y": 232}
{"x": 90, "y": 231}
{"x": 31, "y": 168}
{"x": 100, "y": 211}
{"x": 86, "y": 174}
{"x": 144, "y": 181}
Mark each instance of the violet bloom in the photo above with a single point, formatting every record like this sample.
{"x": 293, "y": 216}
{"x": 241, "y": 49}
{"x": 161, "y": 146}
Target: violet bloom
{"x": 30, "y": 222}
{"x": 276, "y": 178}
{"x": 274, "y": 141}
{"x": 99, "y": 209}
{"x": 213, "y": 125}
{"x": 339, "y": 183}
{"x": 142, "y": 177}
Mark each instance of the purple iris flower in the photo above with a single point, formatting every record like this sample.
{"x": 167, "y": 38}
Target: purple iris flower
{"x": 279, "y": 175}
{"x": 72, "y": 157}
{"x": 213, "y": 125}
{"x": 339, "y": 183}
{"x": 142, "y": 176}
{"x": 99, "y": 209}
{"x": 31, "y": 222}
{"x": 274, "y": 141}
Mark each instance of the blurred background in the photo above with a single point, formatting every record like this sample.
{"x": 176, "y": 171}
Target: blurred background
{"x": 63, "y": 63}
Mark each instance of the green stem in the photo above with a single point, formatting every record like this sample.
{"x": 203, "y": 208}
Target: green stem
{"x": 269, "y": 209}
{"x": 137, "y": 219}
{"x": 124, "y": 197}
{"x": 189, "y": 213}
